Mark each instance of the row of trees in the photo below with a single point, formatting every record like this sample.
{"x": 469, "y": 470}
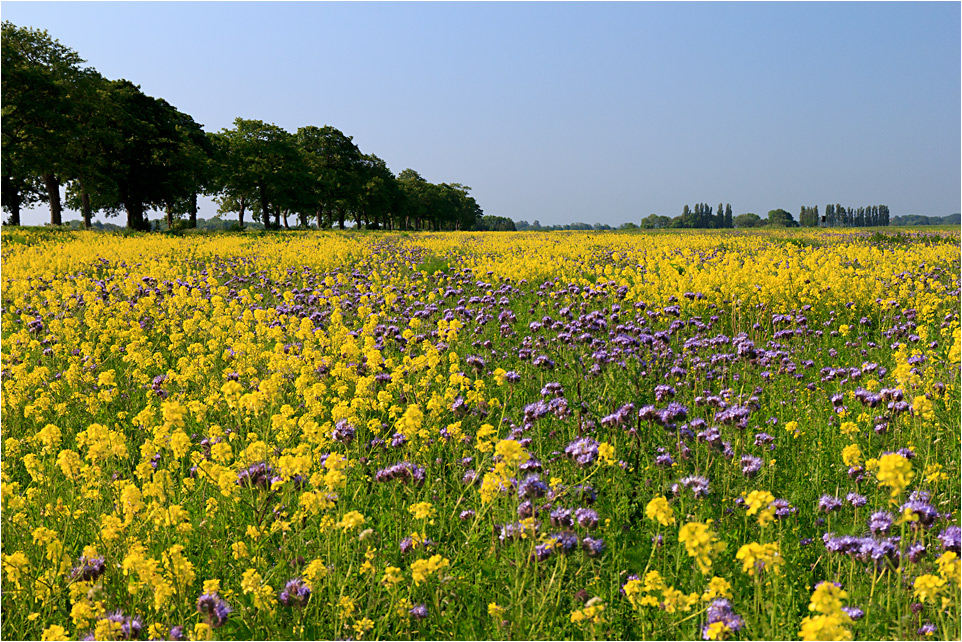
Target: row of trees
{"x": 116, "y": 149}
{"x": 701, "y": 217}
{"x": 870, "y": 216}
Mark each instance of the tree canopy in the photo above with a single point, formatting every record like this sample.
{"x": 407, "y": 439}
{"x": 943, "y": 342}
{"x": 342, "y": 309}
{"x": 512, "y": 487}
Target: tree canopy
{"x": 115, "y": 149}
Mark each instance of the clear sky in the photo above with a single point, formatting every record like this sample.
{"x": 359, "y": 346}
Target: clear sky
{"x": 563, "y": 112}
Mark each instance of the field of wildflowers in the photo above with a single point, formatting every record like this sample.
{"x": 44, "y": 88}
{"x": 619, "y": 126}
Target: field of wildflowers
{"x": 481, "y": 436}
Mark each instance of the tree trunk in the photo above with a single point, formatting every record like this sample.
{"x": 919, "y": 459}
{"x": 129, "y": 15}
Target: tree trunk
{"x": 53, "y": 193}
{"x": 14, "y": 211}
{"x": 265, "y": 207}
{"x": 240, "y": 212}
{"x": 277, "y": 218}
{"x": 192, "y": 211}
{"x": 135, "y": 217}
{"x": 286, "y": 226}
{"x": 170, "y": 214}
{"x": 12, "y": 199}
{"x": 85, "y": 207}
{"x": 319, "y": 212}
{"x": 340, "y": 219}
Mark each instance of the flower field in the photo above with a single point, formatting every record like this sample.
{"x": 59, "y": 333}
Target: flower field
{"x": 481, "y": 436}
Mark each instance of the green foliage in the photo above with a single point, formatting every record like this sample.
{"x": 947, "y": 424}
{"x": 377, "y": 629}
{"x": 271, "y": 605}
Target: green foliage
{"x": 748, "y": 219}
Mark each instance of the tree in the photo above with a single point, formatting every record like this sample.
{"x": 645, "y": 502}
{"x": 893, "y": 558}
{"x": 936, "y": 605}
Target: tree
{"x": 728, "y": 216}
{"x": 781, "y": 218}
{"x": 379, "y": 194}
{"x": 334, "y": 166}
{"x": 146, "y": 161}
{"x": 37, "y": 116}
{"x": 655, "y": 222}
{"x": 748, "y": 219}
{"x": 496, "y": 224}
{"x": 263, "y": 166}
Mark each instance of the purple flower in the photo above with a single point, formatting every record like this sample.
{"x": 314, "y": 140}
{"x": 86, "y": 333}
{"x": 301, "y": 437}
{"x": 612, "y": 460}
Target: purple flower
{"x": 751, "y": 465}
{"x": 593, "y": 547}
{"x": 343, "y": 432}
{"x": 928, "y": 630}
{"x": 561, "y": 517}
{"x": 565, "y": 542}
{"x": 880, "y": 522}
{"x": 950, "y": 539}
{"x": 404, "y": 472}
{"x": 419, "y": 612}
{"x": 696, "y": 483}
{"x": 854, "y": 612}
{"x": 214, "y": 609}
{"x": 829, "y": 504}
{"x": 586, "y": 517}
{"x": 764, "y": 439}
{"x": 532, "y": 487}
{"x": 88, "y": 569}
{"x": 925, "y": 512}
{"x": 916, "y": 552}
{"x": 664, "y": 459}
{"x": 255, "y": 476}
{"x": 129, "y": 626}
{"x": 721, "y": 611}
{"x": 583, "y": 451}
{"x": 856, "y": 500}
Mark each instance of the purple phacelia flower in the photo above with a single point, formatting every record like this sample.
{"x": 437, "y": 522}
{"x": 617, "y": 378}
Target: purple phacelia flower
{"x": 829, "y": 504}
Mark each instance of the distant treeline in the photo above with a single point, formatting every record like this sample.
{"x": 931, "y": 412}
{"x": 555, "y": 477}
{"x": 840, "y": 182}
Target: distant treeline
{"x": 704, "y": 217}
{"x": 701, "y": 217}
{"x": 116, "y": 149}
{"x": 918, "y": 219}
{"x": 838, "y": 216}
{"x": 536, "y": 226}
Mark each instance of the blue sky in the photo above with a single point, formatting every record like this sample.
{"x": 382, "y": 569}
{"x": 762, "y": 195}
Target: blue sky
{"x": 563, "y": 112}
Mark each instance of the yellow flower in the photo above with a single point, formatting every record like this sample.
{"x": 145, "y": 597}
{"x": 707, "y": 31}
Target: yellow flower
{"x": 701, "y": 543}
{"x": 511, "y": 452}
{"x": 894, "y": 471}
{"x": 660, "y": 511}
{"x": 717, "y": 631}
{"x": 852, "y": 455}
{"x": 421, "y": 569}
{"x": 928, "y": 587}
{"x": 253, "y": 584}
{"x": 15, "y": 565}
{"x": 849, "y": 428}
{"x": 757, "y": 557}
{"x": 391, "y": 577}
{"x": 422, "y": 510}
{"x": 606, "y": 453}
{"x": 923, "y": 407}
{"x": 351, "y": 520}
{"x": 55, "y": 632}
{"x": 760, "y": 502}
{"x": 496, "y": 611}
{"x": 717, "y": 587}
{"x": 949, "y": 567}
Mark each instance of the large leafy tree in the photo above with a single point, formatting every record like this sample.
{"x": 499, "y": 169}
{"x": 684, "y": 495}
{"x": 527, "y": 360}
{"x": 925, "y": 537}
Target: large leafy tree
{"x": 38, "y": 117}
{"x": 145, "y": 161}
{"x": 261, "y": 167}
{"x": 337, "y": 173}
{"x": 379, "y": 195}
{"x": 93, "y": 187}
{"x": 781, "y": 218}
